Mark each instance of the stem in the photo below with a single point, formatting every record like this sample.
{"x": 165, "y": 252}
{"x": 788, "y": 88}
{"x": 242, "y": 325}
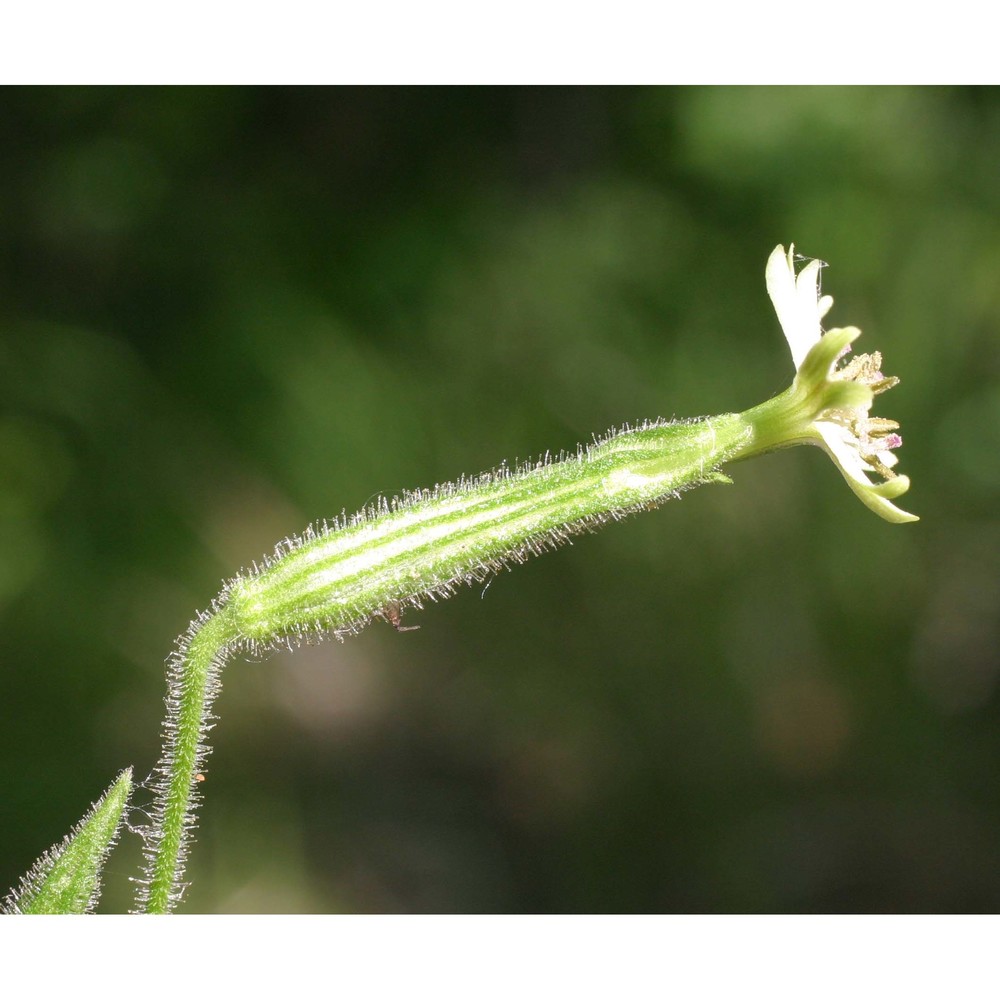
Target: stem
{"x": 193, "y": 684}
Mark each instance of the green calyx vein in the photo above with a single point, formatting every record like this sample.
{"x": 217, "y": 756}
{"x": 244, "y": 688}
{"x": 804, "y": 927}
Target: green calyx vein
{"x": 424, "y": 545}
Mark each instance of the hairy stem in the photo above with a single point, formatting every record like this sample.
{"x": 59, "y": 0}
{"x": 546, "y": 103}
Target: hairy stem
{"x": 193, "y": 679}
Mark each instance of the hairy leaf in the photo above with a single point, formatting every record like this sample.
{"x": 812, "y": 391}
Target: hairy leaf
{"x": 67, "y": 877}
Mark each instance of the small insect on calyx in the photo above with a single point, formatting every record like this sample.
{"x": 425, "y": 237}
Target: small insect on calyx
{"x": 393, "y": 614}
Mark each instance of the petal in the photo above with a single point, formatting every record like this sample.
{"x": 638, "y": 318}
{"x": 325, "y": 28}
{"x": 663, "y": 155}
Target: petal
{"x": 874, "y": 496}
{"x": 796, "y": 301}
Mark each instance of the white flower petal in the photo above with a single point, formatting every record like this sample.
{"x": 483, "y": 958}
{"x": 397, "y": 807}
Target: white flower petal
{"x": 796, "y": 301}
{"x": 853, "y": 468}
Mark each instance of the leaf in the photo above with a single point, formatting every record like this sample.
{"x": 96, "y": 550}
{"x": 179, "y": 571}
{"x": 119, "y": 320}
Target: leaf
{"x": 67, "y": 877}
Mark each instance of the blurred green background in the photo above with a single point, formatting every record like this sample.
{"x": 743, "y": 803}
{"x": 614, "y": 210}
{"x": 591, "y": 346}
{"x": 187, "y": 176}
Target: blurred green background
{"x": 225, "y": 313}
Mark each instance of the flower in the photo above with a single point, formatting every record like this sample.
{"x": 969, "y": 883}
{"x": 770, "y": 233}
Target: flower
{"x": 839, "y": 398}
